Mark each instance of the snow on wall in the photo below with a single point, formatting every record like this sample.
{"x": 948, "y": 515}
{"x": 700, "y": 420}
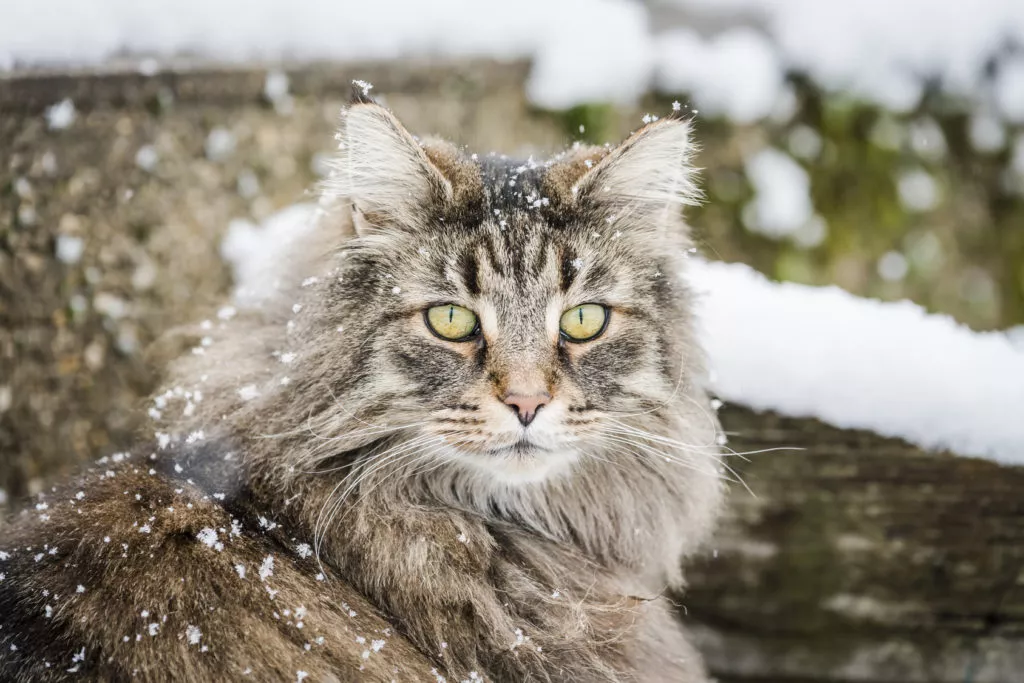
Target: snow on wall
{"x": 584, "y": 50}
{"x": 885, "y": 49}
{"x": 802, "y": 351}
{"x": 891, "y": 368}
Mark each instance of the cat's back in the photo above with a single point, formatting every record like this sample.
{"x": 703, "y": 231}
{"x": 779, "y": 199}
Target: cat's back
{"x": 133, "y": 573}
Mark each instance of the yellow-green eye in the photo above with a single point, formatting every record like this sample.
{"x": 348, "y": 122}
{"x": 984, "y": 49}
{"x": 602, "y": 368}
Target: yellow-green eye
{"x": 584, "y": 322}
{"x": 452, "y": 322}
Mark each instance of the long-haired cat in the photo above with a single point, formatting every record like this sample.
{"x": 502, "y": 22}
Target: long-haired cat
{"x": 465, "y": 439}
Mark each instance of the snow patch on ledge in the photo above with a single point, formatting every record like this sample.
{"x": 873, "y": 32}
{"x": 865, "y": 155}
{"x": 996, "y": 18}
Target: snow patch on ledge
{"x": 859, "y": 363}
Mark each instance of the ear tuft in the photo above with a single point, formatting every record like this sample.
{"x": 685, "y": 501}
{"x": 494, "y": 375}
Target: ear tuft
{"x": 645, "y": 179}
{"x": 382, "y": 173}
{"x": 361, "y": 93}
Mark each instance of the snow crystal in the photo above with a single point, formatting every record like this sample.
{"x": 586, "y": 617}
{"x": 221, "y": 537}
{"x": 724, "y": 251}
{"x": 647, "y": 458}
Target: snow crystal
{"x": 858, "y": 363}
{"x": 303, "y": 550}
{"x": 193, "y": 634}
{"x": 300, "y": 676}
{"x": 147, "y": 157}
{"x": 267, "y": 568}
{"x": 154, "y": 628}
{"x": 220, "y": 144}
{"x": 208, "y": 537}
{"x": 248, "y": 392}
{"x": 80, "y": 589}
{"x": 69, "y": 249}
{"x": 275, "y": 87}
{"x": 60, "y": 115}
{"x": 240, "y": 569}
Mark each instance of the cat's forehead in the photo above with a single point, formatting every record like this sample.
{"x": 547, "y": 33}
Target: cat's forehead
{"x": 512, "y": 185}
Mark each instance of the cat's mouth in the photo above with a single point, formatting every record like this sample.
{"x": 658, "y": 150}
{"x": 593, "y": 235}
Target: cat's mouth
{"x": 521, "y": 449}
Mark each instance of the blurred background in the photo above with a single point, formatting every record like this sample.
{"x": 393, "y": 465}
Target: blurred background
{"x": 877, "y": 146}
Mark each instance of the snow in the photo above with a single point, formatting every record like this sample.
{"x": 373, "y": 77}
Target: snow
{"x": 782, "y": 201}
{"x": 736, "y": 73}
{"x": 893, "y": 266}
{"x": 208, "y": 537}
{"x": 69, "y": 249}
{"x": 255, "y": 251}
{"x": 918, "y": 191}
{"x": 986, "y": 132}
{"x": 61, "y": 115}
{"x": 582, "y": 50}
{"x": 883, "y": 49}
{"x": 267, "y": 568}
{"x": 858, "y": 363}
{"x": 1009, "y": 89}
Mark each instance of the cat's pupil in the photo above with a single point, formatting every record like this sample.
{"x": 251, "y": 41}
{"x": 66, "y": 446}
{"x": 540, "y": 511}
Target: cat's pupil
{"x": 581, "y": 315}
{"x": 451, "y": 313}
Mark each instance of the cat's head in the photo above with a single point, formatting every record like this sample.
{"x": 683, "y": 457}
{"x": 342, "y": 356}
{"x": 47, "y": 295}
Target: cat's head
{"x": 514, "y": 315}
{"x": 510, "y": 319}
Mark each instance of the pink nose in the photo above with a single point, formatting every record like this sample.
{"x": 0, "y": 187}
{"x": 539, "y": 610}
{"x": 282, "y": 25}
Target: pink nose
{"x": 526, "y": 407}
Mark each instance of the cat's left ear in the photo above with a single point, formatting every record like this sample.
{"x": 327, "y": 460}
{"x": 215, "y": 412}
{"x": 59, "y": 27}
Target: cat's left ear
{"x": 644, "y": 182}
{"x": 382, "y": 173}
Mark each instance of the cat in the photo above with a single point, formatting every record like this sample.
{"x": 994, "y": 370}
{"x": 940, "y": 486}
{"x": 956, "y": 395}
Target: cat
{"x": 465, "y": 439}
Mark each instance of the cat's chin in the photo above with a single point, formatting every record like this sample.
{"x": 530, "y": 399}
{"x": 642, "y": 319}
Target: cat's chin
{"x": 518, "y": 466}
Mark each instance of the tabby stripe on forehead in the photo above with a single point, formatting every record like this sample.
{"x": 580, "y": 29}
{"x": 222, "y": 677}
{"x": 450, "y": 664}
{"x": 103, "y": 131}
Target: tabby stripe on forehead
{"x": 469, "y": 269}
{"x": 540, "y": 261}
{"x": 568, "y": 270}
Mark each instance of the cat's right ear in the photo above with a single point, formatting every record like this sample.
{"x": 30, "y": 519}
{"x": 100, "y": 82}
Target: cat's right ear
{"x": 381, "y": 173}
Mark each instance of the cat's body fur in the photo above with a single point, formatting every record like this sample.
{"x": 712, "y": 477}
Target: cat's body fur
{"x": 365, "y": 469}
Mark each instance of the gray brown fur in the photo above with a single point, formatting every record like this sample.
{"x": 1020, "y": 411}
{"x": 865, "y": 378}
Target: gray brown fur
{"x": 434, "y": 528}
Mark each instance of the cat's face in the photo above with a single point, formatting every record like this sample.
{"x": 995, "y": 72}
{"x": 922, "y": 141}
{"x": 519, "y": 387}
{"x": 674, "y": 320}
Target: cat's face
{"x": 509, "y": 312}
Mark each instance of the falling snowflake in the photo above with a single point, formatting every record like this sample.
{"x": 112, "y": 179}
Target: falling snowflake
{"x": 208, "y": 537}
{"x": 267, "y": 568}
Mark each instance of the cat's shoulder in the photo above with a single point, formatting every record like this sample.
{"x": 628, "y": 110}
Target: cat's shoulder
{"x": 131, "y": 571}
